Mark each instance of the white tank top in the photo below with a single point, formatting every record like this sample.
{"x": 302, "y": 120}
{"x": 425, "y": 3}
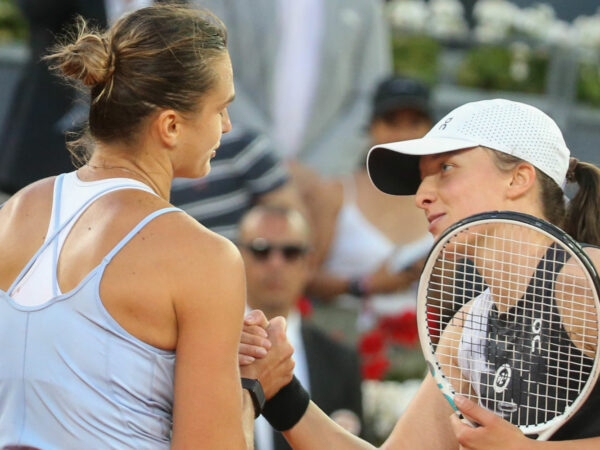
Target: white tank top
{"x": 359, "y": 248}
{"x": 71, "y": 376}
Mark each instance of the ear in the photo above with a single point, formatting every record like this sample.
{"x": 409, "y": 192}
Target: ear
{"x": 522, "y": 180}
{"x": 168, "y": 127}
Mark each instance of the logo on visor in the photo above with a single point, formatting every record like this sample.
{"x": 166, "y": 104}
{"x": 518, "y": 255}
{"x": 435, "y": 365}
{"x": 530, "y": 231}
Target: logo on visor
{"x": 446, "y": 122}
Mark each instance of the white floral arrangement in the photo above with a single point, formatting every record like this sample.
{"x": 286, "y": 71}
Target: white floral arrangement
{"x": 384, "y": 402}
{"x": 496, "y": 21}
{"x": 443, "y": 19}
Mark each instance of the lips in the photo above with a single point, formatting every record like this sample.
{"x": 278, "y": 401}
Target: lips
{"x": 433, "y": 219}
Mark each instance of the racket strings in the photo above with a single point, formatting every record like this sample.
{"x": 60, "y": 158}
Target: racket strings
{"x": 528, "y": 341}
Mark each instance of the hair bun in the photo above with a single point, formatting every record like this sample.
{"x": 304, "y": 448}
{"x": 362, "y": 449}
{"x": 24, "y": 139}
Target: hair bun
{"x": 89, "y": 58}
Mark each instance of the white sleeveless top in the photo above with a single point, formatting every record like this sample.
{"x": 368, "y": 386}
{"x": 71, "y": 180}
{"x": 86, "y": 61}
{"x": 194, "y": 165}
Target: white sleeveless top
{"x": 71, "y": 376}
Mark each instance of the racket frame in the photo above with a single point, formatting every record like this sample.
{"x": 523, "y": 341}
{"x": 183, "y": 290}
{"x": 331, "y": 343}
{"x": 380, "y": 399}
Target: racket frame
{"x": 428, "y": 346}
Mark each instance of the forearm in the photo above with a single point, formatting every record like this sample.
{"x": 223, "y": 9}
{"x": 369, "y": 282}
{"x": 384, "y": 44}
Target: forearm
{"x": 248, "y": 413}
{"x": 316, "y": 430}
{"x": 326, "y": 287}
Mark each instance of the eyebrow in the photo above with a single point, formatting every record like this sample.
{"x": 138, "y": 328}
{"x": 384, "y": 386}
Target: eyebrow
{"x": 229, "y": 100}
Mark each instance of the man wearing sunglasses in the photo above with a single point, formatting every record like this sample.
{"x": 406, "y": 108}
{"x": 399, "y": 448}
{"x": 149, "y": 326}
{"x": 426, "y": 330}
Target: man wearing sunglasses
{"x": 275, "y": 243}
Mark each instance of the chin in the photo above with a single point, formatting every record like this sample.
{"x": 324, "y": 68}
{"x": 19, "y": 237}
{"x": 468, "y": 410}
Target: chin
{"x": 195, "y": 172}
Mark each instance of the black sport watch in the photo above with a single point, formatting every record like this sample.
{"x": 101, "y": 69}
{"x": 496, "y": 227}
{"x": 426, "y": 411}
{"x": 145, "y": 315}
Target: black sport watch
{"x": 256, "y": 392}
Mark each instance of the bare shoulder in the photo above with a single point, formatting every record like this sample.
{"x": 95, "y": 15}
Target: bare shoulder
{"x": 27, "y": 212}
{"x": 191, "y": 244}
{"x": 594, "y": 254}
{"x": 33, "y": 199}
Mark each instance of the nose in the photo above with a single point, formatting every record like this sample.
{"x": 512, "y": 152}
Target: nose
{"x": 226, "y": 122}
{"x": 276, "y": 259}
{"x": 425, "y": 194}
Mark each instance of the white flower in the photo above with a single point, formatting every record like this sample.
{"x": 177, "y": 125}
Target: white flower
{"x": 586, "y": 31}
{"x": 496, "y": 22}
{"x": 385, "y": 401}
{"x": 447, "y": 19}
{"x": 535, "y": 21}
{"x": 408, "y": 15}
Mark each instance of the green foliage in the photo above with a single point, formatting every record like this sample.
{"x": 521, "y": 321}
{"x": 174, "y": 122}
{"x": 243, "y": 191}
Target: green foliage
{"x": 588, "y": 86}
{"x": 13, "y": 26}
{"x": 489, "y": 67}
{"x": 416, "y": 56}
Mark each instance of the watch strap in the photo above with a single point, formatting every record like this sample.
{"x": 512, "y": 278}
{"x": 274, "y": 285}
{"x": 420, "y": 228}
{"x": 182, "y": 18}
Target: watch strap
{"x": 257, "y": 394}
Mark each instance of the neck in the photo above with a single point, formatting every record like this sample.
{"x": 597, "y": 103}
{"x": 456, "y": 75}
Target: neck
{"x": 98, "y": 168}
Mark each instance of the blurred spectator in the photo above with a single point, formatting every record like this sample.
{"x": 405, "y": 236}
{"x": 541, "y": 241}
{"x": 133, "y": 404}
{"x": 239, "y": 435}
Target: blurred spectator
{"x": 275, "y": 244}
{"x": 244, "y": 172}
{"x": 304, "y": 73}
{"x": 32, "y": 144}
{"x": 44, "y": 109}
{"x": 371, "y": 244}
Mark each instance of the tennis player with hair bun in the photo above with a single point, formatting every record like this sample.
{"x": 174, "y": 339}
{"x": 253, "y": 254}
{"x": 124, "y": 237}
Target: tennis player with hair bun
{"x": 483, "y": 156}
{"x": 121, "y": 315}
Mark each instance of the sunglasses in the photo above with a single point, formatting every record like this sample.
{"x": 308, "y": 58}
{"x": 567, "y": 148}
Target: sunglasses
{"x": 261, "y": 250}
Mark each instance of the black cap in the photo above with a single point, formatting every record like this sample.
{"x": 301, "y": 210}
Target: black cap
{"x": 399, "y": 92}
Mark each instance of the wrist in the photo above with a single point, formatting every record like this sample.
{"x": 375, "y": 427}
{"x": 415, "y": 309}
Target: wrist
{"x": 287, "y": 407}
{"x": 358, "y": 287}
{"x": 257, "y": 394}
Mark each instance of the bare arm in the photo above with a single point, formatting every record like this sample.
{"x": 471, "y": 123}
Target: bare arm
{"x": 209, "y": 299}
{"x": 428, "y": 411}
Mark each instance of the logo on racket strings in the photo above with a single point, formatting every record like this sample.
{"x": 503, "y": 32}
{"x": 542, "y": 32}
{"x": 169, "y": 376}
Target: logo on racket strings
{"x": 536, "y": 330}
{"x": 502, "y": 378}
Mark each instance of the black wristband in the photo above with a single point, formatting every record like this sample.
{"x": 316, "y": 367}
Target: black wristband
{"x": 287, "y": 407}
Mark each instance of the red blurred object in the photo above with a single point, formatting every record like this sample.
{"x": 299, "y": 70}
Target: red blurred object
{"x": 375, "y": 367}
{"x": 305, "y": 307}
{"x": 401, "y": 329}
{"x": 392, "y": 331}
{"x": 371, "y": 342}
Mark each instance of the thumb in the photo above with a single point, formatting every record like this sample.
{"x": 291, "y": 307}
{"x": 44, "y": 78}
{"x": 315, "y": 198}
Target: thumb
{"x": 277, "y": 327}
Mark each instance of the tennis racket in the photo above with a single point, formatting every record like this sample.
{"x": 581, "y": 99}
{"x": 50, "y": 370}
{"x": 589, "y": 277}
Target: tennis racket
{"x": 508, "y": 315}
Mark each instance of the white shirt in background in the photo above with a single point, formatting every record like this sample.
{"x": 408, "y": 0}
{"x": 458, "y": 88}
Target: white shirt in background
{"x": 297, "y": 63}
{"x": 263, "y": 433}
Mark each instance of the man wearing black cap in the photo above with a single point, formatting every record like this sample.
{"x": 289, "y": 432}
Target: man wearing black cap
{"x": 401, "y": 110}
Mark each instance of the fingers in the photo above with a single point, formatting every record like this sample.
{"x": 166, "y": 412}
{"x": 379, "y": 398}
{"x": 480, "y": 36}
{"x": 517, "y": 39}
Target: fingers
{"x": 254, "y": 341}
{"x": 473, "y": 411}
{"x": 247, "y": 354}
{"x": 256, "y": 317}
{"x": 491, "y": 433}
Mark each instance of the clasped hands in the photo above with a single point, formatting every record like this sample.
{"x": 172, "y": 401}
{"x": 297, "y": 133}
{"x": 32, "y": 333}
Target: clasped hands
{"x": 265, "y": 353}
